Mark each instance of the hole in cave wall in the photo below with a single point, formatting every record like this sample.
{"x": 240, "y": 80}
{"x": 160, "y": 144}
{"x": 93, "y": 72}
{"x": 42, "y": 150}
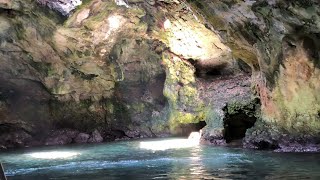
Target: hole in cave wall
{"x": 244, "y": 67}
{"x": 203, "y": 71}
{"x": 237, "y": 123}
{"x": 312, "y": 48}
{"x": 6, "y": 128}
{"x": 209, "y": 70}
{"x": 186, "y": 129}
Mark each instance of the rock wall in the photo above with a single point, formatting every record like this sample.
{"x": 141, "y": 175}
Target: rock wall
{"x": 278, "y": 39}
{"x": 108, "y": 67}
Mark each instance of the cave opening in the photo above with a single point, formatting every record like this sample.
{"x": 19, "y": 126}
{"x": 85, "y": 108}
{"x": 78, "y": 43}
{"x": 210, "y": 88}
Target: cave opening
{"x": 208, "y": 72}
{"x": 211, "y": 71}
{"x": 185, "y": 129}
{"x": 236, "y": 125}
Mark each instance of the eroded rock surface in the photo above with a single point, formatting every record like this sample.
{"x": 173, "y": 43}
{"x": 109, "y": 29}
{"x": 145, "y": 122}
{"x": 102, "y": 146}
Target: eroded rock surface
{"x": 278, "y": 40}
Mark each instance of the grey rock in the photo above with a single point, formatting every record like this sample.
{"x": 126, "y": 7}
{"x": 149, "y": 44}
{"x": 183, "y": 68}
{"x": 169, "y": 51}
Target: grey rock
{"x": 82, "y": 138}
{"x": 95, "y": 137}
{"x": 17, "y": 138}
{"x": 61, "y": 137}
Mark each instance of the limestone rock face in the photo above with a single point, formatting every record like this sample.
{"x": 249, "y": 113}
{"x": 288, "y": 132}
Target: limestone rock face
{"x": 100, "y": 68}
{"x": 278, "y": 39}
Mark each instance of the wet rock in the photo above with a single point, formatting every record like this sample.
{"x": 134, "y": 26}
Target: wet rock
{"x": 18, "y": 138}
{"x": 95, "y": 137}
{"x": 82, "y": 138}
{"x": 295, "y": 147}
{"x": 61, "y": 137}
{"x": 214, "y": 136}
{"x": 264, "y": 137}
{"x": 34, "y": 143}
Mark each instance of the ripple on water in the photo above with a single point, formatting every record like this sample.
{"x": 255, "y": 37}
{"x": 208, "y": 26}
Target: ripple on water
{"x": 125, "y": 160}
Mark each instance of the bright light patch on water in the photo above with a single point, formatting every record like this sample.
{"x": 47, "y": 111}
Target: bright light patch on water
{"x": 162, "y": 145}
{"x": 54, "y": 155}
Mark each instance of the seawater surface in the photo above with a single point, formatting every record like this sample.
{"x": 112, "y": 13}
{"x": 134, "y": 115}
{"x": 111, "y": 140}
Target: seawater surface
{"x": 126, "y": 160}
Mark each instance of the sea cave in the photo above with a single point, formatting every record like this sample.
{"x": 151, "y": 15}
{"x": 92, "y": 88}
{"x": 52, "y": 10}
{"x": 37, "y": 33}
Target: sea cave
{"x": 159, "y": 89}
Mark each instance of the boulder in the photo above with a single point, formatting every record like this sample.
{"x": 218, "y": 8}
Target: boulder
{"x": 61, "y": 137}
{"x": 82, "y": 138}
{"x": 95, "y": 137}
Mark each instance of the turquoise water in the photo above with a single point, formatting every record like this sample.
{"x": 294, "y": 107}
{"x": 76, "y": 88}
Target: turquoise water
{"x": 126, "y": 160}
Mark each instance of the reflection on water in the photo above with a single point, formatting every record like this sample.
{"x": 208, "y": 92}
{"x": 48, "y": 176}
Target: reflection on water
{"x": 194, "y": 168}
{"x": 161, "y": 145}
{"x": 126, "y": 160}
{"x": 53, "y": 155}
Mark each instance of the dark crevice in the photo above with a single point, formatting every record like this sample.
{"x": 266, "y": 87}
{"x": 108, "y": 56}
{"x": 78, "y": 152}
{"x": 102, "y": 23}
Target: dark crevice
{"x": 115, "y": 134}
{"x": 207, "y": 71}
{"x": 6, "y": 128}
{"x": 244, "y": 67}
{"x": 265, "y": 145}
{"x": 238, "y": 118}
{"x": 83, "y": 75}
{"x": 236, "y": 126}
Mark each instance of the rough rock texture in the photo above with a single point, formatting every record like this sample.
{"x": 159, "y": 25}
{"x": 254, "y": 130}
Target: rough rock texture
{"x": 217, "y": 92}
{"x": 138, "y": 68}
{"x": 95, "y": 137}
{"x": 104, "y": 67}
{"x": 61, "y": 137}
{"x": 82, "y": 138}
{"x": 278, "y": 39}
{"x": 63, "y": 6}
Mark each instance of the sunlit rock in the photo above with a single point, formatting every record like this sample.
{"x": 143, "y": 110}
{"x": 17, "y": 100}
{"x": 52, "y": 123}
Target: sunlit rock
{"x": 63, "y": 6}
{"x": 167, "y": 24}
{"x": 122, "y": 3}
{"x": 192, "y": 40}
